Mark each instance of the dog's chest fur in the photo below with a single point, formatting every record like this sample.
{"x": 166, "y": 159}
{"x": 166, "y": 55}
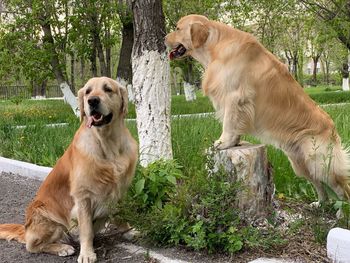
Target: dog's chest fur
{"x": 104, "y": 178}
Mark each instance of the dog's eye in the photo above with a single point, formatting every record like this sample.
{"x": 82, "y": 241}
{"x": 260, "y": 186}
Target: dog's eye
{"x": 107, "y": 89}
{"x": 88, "y": 90}
{"x": 177, "y": 28}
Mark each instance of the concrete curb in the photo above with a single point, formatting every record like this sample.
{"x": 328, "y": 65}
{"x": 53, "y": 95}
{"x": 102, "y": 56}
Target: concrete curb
{"x": 134, "y": 249}
{"x": 25, "y": 169}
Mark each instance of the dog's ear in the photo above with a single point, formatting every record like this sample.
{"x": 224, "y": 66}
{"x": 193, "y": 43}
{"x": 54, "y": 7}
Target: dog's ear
{"x": 81, "y": 103}
{"x": 199, "y": 34}
{"x": 124, "y": 95}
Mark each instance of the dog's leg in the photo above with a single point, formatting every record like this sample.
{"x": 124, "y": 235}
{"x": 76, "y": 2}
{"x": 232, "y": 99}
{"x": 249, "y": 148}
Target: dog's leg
{"x": 227, "y": 138}
{"x": 86, "y": 232}
{"x": 236, "y": 122}
{"x": 309, "y": 172}
{"x": 45, "y": 237}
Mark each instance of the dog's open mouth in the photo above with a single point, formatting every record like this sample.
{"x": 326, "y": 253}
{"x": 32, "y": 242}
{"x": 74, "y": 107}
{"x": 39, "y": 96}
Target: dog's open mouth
{"x": 97, "y": 119}
{"x": 177, "y": 52}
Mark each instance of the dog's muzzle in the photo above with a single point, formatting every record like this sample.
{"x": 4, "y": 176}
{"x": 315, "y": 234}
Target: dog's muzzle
{"x": 96, "y": 117}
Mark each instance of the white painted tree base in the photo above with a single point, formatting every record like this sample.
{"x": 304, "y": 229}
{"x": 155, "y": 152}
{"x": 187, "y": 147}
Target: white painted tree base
{"x": 70, "y": 98}
{"x": 345, "y": 85}
{"x": 128, "y": 86}
{"x": 152, "y": 101}
{"x": 190, "y": 92}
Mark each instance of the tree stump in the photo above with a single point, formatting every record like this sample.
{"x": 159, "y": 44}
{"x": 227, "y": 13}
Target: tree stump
{"x": 248, "y": 165}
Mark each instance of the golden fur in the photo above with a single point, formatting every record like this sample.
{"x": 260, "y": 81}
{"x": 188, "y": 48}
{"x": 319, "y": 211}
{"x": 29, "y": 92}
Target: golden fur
{"x": 96, "y": 169}
{"x": 253, "y": 93}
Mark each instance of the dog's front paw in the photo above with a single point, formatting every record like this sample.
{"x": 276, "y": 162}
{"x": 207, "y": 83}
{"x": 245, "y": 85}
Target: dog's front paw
{"x": 222, "y": 145}
{"x": 89, "y": 257}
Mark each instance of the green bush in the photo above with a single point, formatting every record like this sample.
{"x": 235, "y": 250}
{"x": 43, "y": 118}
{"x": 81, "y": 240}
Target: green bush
{"x": 198, "y": 212}
{"x": 155, "y": 184}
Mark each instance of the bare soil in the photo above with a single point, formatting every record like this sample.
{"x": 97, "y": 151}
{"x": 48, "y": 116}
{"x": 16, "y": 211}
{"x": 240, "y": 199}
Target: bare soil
{"x": 17, "y": 191}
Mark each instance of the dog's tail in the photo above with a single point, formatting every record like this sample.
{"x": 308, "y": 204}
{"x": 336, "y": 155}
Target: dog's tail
{"x": 341, "y": 168}
{"x": 12, "y": 232}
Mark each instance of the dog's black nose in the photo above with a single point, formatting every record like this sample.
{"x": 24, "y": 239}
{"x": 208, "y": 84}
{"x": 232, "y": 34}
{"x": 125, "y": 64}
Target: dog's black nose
{"x": 93, "y": 101}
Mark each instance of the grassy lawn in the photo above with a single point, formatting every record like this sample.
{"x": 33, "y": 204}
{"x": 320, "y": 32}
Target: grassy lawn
{"x": 321, "y": 89}
{"x": 190, "y": 137}
{"x": 55, "y": 111}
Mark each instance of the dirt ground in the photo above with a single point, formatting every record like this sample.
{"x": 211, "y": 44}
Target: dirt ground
{"x": 17, "y": 191}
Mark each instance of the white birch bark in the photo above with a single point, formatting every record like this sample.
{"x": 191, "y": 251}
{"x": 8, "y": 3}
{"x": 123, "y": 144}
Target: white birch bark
{"x": 152, "y": 101}
{"x": 70, "y": 98}
{"x": 190, "y": 91}
{"x": 345, "y": 84}
{"x": 128, "y": 86}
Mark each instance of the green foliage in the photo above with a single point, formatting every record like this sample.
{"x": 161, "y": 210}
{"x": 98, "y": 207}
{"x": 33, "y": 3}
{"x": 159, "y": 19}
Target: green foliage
{"x": 199, "y": 214}
{"x": 156, "y": 183}
{"x": 17, "y": 99}
{"x": 334, "y": 79}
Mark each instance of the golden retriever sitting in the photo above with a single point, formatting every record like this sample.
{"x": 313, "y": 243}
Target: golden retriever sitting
{"x": 97, "y": 168}
{"x": 253, "y": 93}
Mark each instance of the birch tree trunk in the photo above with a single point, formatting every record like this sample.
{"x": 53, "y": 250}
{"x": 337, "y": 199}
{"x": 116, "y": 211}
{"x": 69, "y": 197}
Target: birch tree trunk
{"x": 150, "y": 67}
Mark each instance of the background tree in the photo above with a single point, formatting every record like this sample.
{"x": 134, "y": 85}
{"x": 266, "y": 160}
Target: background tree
{"x": 124, "y": 70}
{"x": 151, "y": 81}
{"x": 336, "y": 15}
{"x": 33, "y": 21}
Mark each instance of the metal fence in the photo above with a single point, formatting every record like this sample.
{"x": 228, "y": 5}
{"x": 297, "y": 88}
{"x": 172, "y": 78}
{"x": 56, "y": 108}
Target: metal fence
{"x": 8, "y": 92}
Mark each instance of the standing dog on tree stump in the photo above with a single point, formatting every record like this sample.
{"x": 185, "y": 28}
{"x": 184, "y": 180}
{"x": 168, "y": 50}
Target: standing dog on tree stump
{"x": 97, "y": 168}
{"x": 253, "y": 93}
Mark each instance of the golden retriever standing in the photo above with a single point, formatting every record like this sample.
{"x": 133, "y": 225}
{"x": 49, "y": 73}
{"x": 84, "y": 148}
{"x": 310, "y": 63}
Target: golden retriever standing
{"x": 96, "y": 169}
{"x": 253, "y": 93}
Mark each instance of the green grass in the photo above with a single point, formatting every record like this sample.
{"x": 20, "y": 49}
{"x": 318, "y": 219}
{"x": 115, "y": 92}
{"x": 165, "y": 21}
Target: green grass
{"x": 190, "y": 138}
{"x": 321, "y": 89}
{"x": 54, "y": 111}
{"x": 33, "y": 111}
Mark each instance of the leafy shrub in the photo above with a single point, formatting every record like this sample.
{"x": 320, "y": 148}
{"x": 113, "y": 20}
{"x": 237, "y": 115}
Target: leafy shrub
{"x": 155, "y": 184}
{"x": 197, "y": 212}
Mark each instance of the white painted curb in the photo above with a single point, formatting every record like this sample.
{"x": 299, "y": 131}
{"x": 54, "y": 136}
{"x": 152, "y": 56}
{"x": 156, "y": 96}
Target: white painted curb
{"x": 271, "y": 260}
{"x": 134, "y": 249}
{"x": 338, "y": 245}
{"x": 25, "y": 169}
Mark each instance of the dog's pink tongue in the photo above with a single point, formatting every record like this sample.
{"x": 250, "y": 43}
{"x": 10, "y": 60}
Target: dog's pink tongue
{"x": 89, "y": 122}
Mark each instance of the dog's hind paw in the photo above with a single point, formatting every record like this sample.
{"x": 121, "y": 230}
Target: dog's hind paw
{"x": 66, "y": 250}
{"x": 132, "y": 234}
